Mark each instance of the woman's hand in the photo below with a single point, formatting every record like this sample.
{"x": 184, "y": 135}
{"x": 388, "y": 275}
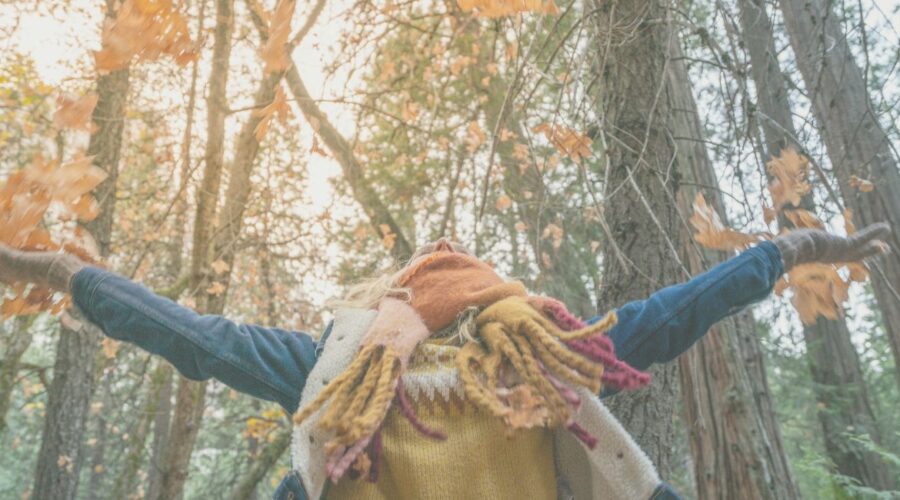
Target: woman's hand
{"x": 49, "y": 269}
{"x": 802, "y": 246}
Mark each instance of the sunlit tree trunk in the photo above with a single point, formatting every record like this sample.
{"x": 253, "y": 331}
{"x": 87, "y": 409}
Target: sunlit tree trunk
{"x": 69, "y": 395}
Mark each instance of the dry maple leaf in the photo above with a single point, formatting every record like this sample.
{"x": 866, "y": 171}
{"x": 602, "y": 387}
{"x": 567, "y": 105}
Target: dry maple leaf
{"x": 219, "y": 266}
{"x": 388, "y": 237}
{"x": 804, "y": 219}
{"x": 503, "y": 203}
{"x": 504, "y": 8}
{"x": 75, "y": 112}
{"x": 144, "y": 29}
{"x": 24, "y": 200}
{"x": 216, "y": 288}
{"x": 275, "y": 52}
{"x": 567, "y": 141}
{"x": 818, "y": 291}
{"x": 279, "y": 106}
{"x": 788, "y": 185}
{"x": 110, "y": 347}
{"x": 712, "y": 233}
{"x": 863, "y": 185}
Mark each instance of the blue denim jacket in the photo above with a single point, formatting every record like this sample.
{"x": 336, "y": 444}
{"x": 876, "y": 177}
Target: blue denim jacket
{"x": 272, "y": 364}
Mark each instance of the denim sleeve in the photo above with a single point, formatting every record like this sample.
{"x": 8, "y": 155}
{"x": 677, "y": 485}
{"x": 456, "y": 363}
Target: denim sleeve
{"x": 665, "y": 325}
{"x": 267, "y": 363}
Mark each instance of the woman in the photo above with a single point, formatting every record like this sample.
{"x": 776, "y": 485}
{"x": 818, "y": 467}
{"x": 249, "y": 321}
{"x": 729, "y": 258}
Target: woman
{"x": 443, "y": 380}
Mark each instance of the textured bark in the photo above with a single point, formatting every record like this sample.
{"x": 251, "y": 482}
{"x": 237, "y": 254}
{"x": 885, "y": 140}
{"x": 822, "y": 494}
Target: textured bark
{"x": 69, "y": 394}
{"x": 17, "y": 342}
{"x": 260, "y": 465}
{"x": 161, "y": 423}
{"x": 855, "y": 141}
{"x": 631, "y": 41}
{"x": 191, "y": 394}
{"x": 131, "y": 463}
{"x": 735, "y": 440}
{"x": 834, "y": 363}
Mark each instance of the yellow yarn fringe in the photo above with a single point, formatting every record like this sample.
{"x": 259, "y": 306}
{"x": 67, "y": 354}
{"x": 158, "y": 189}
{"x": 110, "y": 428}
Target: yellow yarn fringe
{"x": 508, "y": 372}
{"x": 359, "y": 397}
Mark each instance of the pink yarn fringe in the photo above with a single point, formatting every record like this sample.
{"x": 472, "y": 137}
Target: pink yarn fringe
{"x": 407, "y": 410}
{"x": 599, "y": 348}
{"x": 584, "y": 436}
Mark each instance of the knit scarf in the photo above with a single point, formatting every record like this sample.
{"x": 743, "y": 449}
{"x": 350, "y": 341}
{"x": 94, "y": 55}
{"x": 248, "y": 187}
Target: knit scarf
{"x": 526, "y": 359}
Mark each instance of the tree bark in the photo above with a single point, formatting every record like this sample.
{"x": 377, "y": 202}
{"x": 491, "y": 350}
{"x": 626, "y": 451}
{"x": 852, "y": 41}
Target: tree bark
{"x": 69, "y": 394}
{"x": 17, "y": 343}
{"x": 261, "y": 465}
{"x": 834, "y": 363}
{"x": 855, "y": 141}
{"x": 735, "y": 440}
{"x": 632, "y": 40}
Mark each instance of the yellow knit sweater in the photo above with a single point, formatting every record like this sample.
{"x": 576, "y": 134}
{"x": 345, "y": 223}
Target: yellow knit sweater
{"x": 479, "y": 459}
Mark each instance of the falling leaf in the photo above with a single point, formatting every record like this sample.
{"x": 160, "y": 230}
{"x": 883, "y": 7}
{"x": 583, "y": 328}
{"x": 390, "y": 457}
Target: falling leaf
{"x": 219, "y": 266}
{"x": 818, "y": 291}
{"x": 110, "y": 347}
{"x": 75, "y": 112}
{"x": 275, "y": 52}
{"x": 388, "y": 237}
{"x": 555, "y": 232}
{"x": 567, "y": 141}
{"x": 788, "y": 185}
{"x": 521, "y": 227}
{"x": 216, "y": 288}
{"x": 278, "y": 107}
{"x": 863, "y": 185}
{"x": 804, "y": 219}
{"x": 503, "y": 203}
{"x": 144, "y": 30}
{"x": 65, "y": 462}
{"x": 475, "y": 137}
{"x": 712, "y": 233}
{"x": 505, "y": 8}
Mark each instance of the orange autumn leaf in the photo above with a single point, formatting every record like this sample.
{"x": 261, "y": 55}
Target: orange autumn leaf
{"x": 504, "y": 8}
{"x": 503, "y": 203}
{"x": 216, "y": 288}
{"x": 144, "y": 30}
{"x": 818, "y": 290}
{"x": 388, "y": 237}
{"x": 75, "y": 112}
{"x": 788, "y": 185}
{"x": 278, "y": 107}
{"x": 110, "y": 347}
{"x": 804, "y": 219}
{"x": 863, "y": 185}
{"x": 567, "y": 141}
{"x": 712, "y": 233}
{"x": 275, "y": 52}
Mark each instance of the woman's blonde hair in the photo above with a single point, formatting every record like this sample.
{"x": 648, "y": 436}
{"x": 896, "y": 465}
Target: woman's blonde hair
{"x": 368, "y": 293}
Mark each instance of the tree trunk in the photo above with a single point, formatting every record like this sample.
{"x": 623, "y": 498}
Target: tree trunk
{"x": 834, "y": 363}
{"x": 855, "y": 141}
{"x": 261, "y": 465}
{"x": 190, "y": 394}
{"x": 17, "y": 343}
{"x": 161, "y": 423}
{"x": 70, "y": 392}
{"x": 639, "y": 206}
{"x": 735, "y": 440}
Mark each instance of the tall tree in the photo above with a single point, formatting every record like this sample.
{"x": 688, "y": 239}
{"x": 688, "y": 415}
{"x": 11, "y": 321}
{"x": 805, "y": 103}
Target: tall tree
{"x": 632, "y": 40}
{"x": 736, "y": 443}
{"x": 834, "y": 82}
{"x": 855, "y": 140}
{"x": 69, "y": 394}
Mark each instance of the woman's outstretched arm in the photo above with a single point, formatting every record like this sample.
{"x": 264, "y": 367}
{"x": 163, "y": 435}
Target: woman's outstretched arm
{"x": 267, "y": 363}
{"x": 666, "y": 324}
